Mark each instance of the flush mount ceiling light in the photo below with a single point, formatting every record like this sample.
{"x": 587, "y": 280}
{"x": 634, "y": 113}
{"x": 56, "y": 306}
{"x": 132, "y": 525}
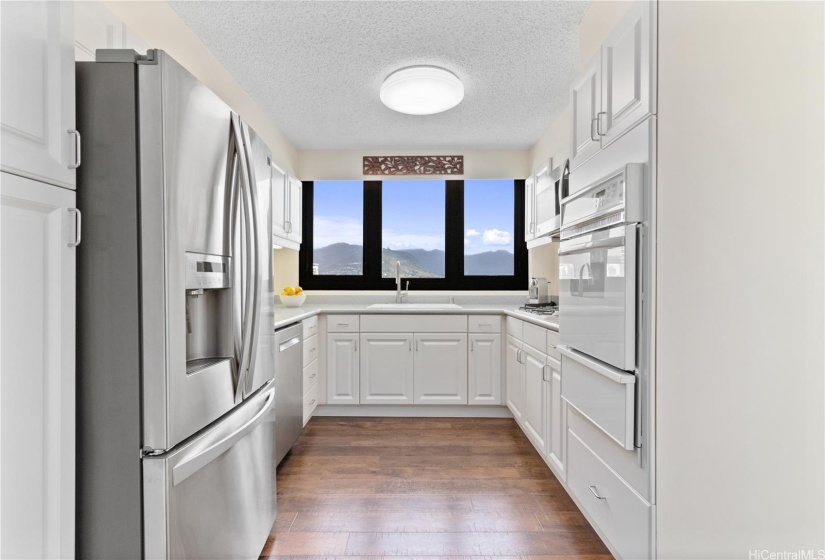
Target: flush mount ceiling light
{"x": 421, "y": 90}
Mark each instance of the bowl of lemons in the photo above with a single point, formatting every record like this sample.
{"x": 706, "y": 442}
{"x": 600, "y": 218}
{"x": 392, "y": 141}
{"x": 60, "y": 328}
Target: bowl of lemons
{"x": 293, "y": 297}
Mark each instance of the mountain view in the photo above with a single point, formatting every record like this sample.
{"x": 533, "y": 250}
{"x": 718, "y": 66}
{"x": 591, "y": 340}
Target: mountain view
{"x": 347, "y": 259}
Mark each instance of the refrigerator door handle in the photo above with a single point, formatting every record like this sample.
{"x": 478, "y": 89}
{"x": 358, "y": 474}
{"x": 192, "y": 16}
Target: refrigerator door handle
{"x": 248, "y": 225}
{"x": 255, "y": 320}
{"x": 203, "y": 452}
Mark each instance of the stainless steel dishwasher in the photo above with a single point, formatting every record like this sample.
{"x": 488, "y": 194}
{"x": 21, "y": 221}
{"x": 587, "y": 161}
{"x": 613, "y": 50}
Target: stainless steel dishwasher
{"x": 289, "y": 401}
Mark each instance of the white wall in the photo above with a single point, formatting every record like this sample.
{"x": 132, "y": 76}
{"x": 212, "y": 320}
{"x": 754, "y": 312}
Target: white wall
{"x": 317, "y": 165}
{"x": 160, "y": 27}
{"x": 740, "y": 365}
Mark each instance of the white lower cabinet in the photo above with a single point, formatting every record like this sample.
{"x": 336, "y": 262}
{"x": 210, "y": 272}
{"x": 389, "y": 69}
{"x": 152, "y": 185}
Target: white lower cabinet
{"x": 484, "y": 369}
{"x": 342, "y": 368}
{"x": 533, "y": 412}
{"x": 440, "y": 368}
{"x": 515, "y": 376}
{"x": 620, "y": 513}
{"x": 556, "y": 416}
{"x": 386, "y": 368}
{"x": 37, "y": 387}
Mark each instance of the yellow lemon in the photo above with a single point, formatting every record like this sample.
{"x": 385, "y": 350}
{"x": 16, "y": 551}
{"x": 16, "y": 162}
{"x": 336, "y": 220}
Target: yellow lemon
{"x": 290, "y": 291}
{"x": 299, "y": 290}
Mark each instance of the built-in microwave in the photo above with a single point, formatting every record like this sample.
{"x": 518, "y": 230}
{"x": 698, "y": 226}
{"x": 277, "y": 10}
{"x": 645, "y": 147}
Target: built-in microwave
{"x": 551, "y": 187}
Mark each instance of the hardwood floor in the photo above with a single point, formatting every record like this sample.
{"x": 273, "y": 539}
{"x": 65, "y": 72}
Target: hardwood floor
{"x": 423, "y": 487}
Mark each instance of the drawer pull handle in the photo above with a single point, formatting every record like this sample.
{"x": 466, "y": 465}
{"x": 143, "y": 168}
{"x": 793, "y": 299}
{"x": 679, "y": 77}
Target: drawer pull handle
{"x": 313, "y": 375}
{"x": 343, "y": 324}
{"x": 595, "y": 493}
{"x": 313, "y": 349}
{"x": 312, "y": 401}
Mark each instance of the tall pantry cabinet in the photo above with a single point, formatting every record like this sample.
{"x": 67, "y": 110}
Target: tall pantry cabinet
{"x": 39, "y": 233}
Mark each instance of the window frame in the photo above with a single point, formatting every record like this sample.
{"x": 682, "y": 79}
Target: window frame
{"x": 454, "y": 277}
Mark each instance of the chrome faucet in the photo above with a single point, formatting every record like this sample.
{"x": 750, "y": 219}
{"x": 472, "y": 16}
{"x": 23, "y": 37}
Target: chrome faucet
{"x": 399, "y": 295}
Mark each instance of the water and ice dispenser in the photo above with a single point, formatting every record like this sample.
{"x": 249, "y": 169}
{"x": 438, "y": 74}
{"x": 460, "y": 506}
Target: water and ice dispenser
{"x": 209, "y": 321}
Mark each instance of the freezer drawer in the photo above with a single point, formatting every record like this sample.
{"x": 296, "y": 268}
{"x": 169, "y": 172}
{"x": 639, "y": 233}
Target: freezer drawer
{"x": 215, "y": 496}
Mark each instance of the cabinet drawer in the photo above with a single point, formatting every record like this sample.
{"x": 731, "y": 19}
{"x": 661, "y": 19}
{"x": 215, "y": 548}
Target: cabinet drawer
{"x": 310, "y": 402}
{"x": 310, "y": 376}
{"x": 414, "y": 323}
{"x": 515, "y": 327}
{"x": 484, "y": 323}
{"x": 311, "y": 346}
{"x": 535, "y": 336}
{"x": 553, "y": 344}
{"x": 602, "y": 394}
{"x": 622, "y": 515}
{"x": 310, "y": 326}
{"x": 342, "y": 323}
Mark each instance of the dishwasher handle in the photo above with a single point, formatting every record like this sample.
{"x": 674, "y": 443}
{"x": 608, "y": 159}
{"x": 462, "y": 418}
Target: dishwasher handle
{"x": 289, "y": 343}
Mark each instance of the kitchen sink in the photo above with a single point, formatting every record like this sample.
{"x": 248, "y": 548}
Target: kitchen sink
{"x": 418, "y": 306}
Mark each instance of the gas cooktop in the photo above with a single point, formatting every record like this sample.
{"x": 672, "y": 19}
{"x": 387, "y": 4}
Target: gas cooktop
{"x": 545, "y": 309}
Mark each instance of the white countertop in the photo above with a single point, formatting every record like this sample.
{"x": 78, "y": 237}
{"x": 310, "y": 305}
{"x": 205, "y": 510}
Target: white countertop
{"x": 288, "y": 315}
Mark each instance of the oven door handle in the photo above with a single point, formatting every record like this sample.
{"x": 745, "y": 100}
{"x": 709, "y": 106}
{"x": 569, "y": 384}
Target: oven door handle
{"x": 610, "y": 242}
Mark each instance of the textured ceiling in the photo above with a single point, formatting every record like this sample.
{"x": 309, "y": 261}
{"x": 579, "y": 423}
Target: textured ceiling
{"x": 316, "y": 67}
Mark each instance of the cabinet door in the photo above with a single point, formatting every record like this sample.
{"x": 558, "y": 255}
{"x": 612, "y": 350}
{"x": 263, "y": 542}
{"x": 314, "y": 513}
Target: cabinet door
{"x": 626, "y": 69}
{"x": 342, "y": 369}
{"x": 386, "y": 368}
{"x": 585, "y": 105}
{"x": 556, "y": 415}
{"x": 545, "y": 201}
{"x": 484, "y": 372}
{"x": 296, "y": 205}
{"x": 533, "y": 411}
{"x": 530, "y": 208}
{"x": 37, "y": 387}
{"x": 441, "y": 368}
{"x": 280, "y": 194}
{"x": 96, "y": 27}
{"x": 515, "y": 376}
{"x": 37, "y": 98}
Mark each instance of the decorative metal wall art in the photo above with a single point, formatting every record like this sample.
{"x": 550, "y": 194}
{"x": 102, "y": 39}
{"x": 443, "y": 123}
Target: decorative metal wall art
{"x": 413, "y": 165}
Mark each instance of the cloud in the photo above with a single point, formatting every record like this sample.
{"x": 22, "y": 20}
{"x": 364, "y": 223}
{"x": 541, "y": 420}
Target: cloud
{"x": 337, "y": 229}
{"x": 400, "y": 241}
{"x": 472, "y": 233}
{"x": 496, "y": 237}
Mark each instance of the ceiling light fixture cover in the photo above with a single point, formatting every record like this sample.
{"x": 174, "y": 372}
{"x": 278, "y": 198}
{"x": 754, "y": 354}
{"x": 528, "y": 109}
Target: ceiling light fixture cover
{"x": 422, "y": 90}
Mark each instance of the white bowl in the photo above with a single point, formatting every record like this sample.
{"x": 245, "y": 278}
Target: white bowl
{"x": 293, "y": 301}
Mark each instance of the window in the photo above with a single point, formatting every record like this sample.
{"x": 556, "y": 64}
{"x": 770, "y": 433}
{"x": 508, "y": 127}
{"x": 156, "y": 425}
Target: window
{"x": 338, "y": 228}
{"x": 489, "y": 220}
{"x": 446, "y": 234}
{"x": 412, "y": 229}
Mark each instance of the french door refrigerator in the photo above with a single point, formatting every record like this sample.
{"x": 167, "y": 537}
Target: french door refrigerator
{"x": 176, "y": 451}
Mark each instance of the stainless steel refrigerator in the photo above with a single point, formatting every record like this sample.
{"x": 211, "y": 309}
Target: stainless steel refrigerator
{"x": 176, "y": 451}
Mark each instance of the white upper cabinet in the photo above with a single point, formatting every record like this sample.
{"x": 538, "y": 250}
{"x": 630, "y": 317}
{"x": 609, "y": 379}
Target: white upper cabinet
{"x": 287, "y": 209}
{"x": 37, "y": 96}
{"x": 626, "y": 71}
{"x": 617, "y": 88}
{"x": 530, "y": 208}
{"x": 386, "y": 368}
{"x": 585, "y": 105}
{"x": 96, "y": 27}
{"x": 296, "y": 208}
{"x": 279, "y": 203}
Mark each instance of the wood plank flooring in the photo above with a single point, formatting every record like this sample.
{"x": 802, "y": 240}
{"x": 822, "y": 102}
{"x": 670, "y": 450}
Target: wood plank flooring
{"x": 423, "y": 488}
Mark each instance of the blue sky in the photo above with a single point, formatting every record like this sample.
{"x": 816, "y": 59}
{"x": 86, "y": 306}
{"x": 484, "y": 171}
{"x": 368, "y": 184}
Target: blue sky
{"x": 413, "y": 214}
